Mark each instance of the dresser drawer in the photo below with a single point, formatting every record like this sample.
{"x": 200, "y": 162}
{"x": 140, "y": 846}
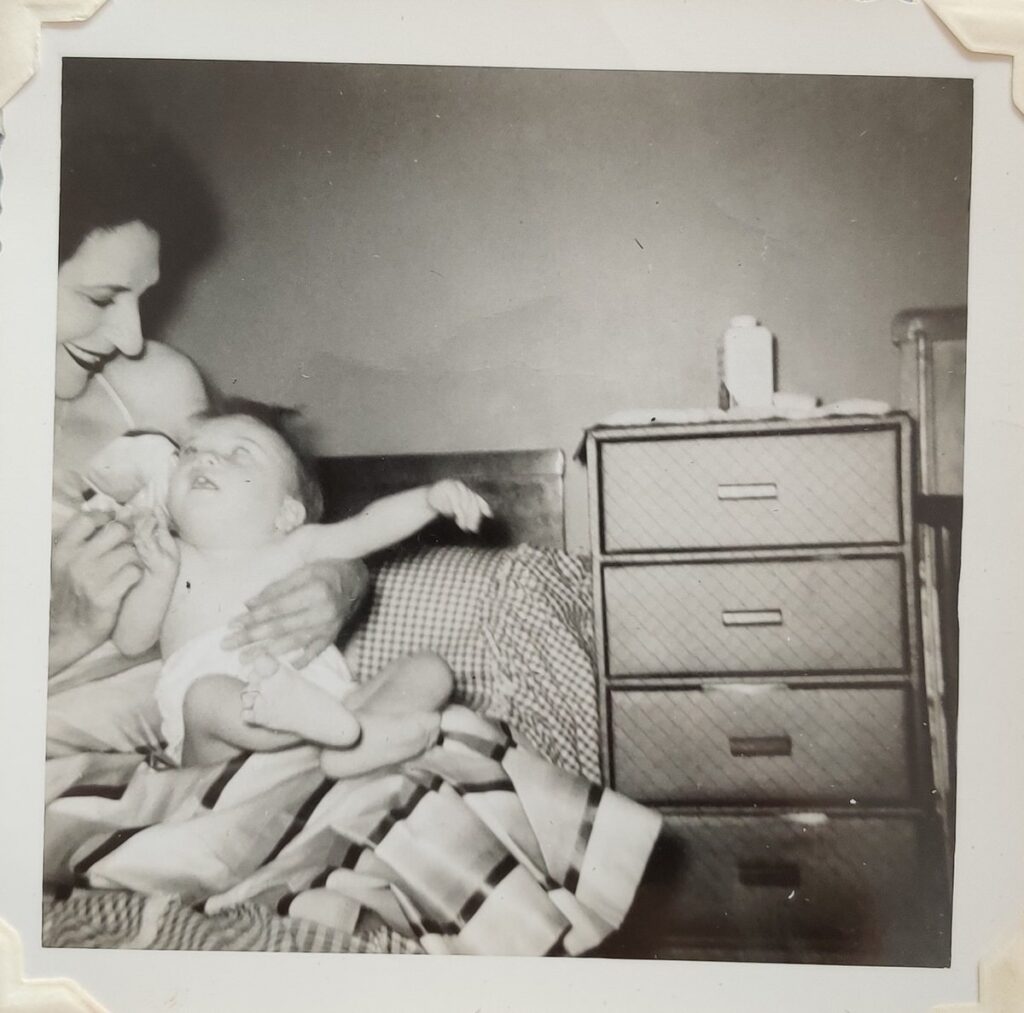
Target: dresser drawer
{"x": 762, "y": 616}
{"x": 761, "y": 744}
{"x": 777, "y": 489}
{"x": 851, "y": 886}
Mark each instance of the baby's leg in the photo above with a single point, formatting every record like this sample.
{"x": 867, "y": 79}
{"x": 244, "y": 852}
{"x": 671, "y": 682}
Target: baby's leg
{"x": 286, "y": 702}
{"x": 417, "y": 682}
{"x": 398, "y": 710}
{"x": 214, "y": 728}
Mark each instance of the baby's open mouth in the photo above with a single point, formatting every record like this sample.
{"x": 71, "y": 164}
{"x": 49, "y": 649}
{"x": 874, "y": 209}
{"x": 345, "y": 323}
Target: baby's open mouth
{"x": 202, "y": 482}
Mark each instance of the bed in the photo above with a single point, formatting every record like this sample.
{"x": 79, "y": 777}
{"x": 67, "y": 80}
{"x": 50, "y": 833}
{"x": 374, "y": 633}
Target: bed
{"x": 510, "y": 611}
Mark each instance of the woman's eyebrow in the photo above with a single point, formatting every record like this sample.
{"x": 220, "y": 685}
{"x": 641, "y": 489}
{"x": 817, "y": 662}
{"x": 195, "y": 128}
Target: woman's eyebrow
{"x": 112, "y": 289}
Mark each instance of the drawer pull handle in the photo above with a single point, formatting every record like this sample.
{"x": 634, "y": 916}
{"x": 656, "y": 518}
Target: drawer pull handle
{"x": 760, "y": 745}
{"x": 752, "y": 617}
{"x": 758, "y": 872}
{"x": 748, "y": 490}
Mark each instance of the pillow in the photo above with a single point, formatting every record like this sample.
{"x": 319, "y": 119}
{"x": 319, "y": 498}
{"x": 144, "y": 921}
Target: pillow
{"x": 515, "y": 625}
{"x": 429, "y": 600}
{"x": 540, "y": 673}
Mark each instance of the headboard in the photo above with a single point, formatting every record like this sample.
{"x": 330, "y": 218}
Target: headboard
{"x": 523, "y": 487}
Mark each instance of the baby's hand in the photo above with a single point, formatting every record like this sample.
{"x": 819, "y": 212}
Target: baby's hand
{"x": 453, "y": 499}
{"x": 156, "y": 546}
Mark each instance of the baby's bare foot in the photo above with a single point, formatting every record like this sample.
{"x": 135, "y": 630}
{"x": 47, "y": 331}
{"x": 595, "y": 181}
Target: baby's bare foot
{"x": 387, "y": 739}
{"x": 286, "y": 702}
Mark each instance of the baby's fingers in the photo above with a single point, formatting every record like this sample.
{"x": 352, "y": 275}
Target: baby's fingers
{"x": 144, "y": 528}
{"x": 165, "y": 540}
{"x": 471, "y": 510}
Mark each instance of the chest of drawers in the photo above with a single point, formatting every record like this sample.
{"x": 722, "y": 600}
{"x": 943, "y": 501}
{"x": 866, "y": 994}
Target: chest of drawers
{"x": 760, "y": 681}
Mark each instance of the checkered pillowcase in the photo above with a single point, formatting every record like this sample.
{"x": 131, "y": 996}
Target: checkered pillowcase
{"x": 429, "y": 600}
{"x": 515, "y": 626}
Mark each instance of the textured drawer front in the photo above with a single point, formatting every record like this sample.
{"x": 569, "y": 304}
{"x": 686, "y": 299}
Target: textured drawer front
{"x": 766, "y": 616}
{"x": 761, "y": 744}
{"x": 745, "y": 491}
{"x": 840, "y": 884}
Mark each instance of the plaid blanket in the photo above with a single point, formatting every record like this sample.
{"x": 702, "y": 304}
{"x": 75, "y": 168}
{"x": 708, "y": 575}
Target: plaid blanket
{"x": 123, "y": 919}
{"x": 481, "y": 845}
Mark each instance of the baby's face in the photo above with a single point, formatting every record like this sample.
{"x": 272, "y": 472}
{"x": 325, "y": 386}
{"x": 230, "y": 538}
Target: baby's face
{"x": 231, "y": 481}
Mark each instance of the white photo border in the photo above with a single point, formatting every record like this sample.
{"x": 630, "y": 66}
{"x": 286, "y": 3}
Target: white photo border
{"x": 852, "y": 37}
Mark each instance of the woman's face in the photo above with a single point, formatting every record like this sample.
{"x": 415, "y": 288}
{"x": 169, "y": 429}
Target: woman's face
{"x": 98, "y": 290}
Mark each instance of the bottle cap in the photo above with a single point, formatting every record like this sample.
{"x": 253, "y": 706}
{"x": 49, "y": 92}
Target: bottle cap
{"x": 745, "y": 320}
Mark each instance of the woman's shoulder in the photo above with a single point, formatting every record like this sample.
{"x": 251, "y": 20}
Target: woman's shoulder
{"x": 161, "y": 389}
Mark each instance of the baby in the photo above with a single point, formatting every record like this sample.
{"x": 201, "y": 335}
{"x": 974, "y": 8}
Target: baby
{"x": 242, "y": 505}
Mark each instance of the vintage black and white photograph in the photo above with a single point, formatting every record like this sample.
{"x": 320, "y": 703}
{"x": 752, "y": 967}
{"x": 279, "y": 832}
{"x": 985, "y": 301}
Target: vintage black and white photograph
{"x": 506, "y": 511}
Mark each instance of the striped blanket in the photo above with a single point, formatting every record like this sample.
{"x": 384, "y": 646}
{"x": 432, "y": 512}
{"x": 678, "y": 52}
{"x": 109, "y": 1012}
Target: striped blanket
{"x": 480, "y": 845}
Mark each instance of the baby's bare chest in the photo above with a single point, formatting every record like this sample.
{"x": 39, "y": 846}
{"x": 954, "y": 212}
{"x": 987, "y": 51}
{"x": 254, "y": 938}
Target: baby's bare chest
{"x": 210, "y": 592}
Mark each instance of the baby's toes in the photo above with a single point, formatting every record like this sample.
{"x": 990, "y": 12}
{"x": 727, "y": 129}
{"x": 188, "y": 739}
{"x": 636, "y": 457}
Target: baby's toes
{"x": 253, "y": 707}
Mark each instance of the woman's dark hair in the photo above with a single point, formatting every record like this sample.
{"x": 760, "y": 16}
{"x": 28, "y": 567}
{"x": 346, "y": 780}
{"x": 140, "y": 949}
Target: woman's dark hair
{"x": 112, "y": 175}
{"x": 285, "y": 422}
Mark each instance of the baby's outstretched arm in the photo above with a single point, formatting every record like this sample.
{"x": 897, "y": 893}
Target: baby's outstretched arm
{"x": 390, "y": 520}
{"x": 144, "y": 607}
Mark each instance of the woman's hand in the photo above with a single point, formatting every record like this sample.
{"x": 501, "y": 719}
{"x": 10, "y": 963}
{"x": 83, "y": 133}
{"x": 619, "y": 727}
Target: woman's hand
{"x": 92, "y": 568}
{"x": 298, "y": 617}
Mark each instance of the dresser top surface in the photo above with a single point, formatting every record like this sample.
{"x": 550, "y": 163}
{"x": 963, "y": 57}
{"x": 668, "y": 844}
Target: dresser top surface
{"x": 752, "y": 427}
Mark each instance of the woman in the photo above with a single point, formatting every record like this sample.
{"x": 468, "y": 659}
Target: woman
{"x": 118, "y": 204}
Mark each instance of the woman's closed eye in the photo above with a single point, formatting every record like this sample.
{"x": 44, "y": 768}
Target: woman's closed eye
{"x": 101, "y": 301}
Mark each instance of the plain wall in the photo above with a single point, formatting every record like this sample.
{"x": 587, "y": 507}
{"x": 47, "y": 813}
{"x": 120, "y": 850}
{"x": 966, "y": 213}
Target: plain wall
{"x": 431, "y": 259}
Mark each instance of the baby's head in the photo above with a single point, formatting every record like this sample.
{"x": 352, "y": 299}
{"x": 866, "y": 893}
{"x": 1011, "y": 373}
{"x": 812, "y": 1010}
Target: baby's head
{"x": 241, "y": 479}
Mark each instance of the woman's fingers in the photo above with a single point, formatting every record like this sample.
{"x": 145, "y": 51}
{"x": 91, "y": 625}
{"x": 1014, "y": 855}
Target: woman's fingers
{"x": 253, "y": 630}
{"x": 113, "y": 536}
{"x": 298, "y": 655}
{"x": 304, "y": 612}
{"x": 288, "y": 594}
{"x": 305, "y": 606}
{"x": 260, "y": 664}
{"x": 118, "y": 586}
{"x": 99, "y": 572}
{"x": 93, "y": 565}
{"x": 293, "y": 649}
{"x": 75, "y": 534}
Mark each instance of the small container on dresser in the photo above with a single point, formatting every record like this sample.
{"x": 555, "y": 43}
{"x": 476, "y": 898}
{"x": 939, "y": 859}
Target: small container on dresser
{"x": 758, "y": 640}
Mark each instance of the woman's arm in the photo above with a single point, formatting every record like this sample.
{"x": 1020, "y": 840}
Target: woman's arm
{"x": 93, "y": 566}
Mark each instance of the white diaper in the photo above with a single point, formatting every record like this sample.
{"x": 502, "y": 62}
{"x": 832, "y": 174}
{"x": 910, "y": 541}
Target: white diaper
{"x": 205, "y": 656}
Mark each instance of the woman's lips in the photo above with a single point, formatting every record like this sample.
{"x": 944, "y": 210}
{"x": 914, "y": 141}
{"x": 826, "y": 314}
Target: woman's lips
{"x": 88, "y": 359}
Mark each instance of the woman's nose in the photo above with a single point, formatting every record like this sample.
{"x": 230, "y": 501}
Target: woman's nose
{"x": 126, "y": 332}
